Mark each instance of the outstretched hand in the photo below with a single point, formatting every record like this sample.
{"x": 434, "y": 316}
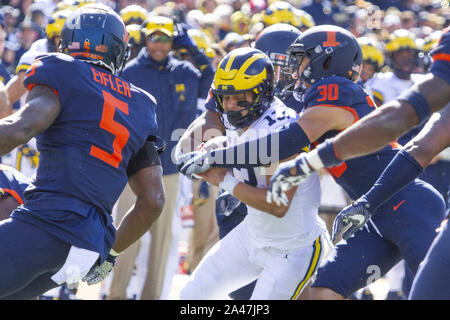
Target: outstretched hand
{"x": 351, "y": 219}
{"x": 287, "y": 175}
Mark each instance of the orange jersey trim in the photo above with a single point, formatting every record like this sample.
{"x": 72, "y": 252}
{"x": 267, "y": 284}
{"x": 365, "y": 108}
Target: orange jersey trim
{"x": 395, "y": 145}
{"x": 441, "y": 56}
{"x": 32, "y": 85}
{"x": 14, "y": 194}
{"x": 355, "y": 115}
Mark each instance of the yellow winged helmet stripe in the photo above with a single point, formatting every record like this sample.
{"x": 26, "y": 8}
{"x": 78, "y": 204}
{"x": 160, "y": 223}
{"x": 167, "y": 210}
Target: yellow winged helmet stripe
{"x": 236, "y": 78}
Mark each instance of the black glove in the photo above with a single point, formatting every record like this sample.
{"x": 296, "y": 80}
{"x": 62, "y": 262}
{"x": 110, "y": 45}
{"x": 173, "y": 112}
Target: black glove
{"x": 351, "y": 218}
{"x": 226, "y": 203}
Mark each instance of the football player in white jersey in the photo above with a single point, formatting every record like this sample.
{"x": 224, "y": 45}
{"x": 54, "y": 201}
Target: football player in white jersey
{"x": 282, "y": 247}
{"x": 24, "y": 158}
{"x": 402, "y": 51}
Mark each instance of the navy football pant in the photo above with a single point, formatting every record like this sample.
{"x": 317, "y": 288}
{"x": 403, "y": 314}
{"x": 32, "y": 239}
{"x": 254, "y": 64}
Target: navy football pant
{"x": 432, "y": 281}
{"x": 407, "y": 224}
{"x": 29, "y": 257}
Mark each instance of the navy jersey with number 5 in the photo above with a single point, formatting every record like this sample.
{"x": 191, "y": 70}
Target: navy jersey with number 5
{"x": 357, "y": 175}
{"x": 103, "y": 122}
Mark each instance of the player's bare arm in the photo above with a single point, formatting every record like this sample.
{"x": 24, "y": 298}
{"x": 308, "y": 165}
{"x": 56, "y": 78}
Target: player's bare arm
{"x": 318, "y": 120}
{"x": 432, "y": 139}
{"x": 40, "y": 110}
{"x": 390, "y": 121}
{"x": 15, "y": 89}
{"x": 147, "y": 185}
{"x": 252, "y": 196}
{"x": 313, "y": 124}
{"x": 7, "y": 205}
{"x": 256, "y": 198}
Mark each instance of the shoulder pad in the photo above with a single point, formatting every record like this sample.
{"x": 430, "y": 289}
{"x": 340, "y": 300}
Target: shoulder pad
{"x": 27, "y": 59}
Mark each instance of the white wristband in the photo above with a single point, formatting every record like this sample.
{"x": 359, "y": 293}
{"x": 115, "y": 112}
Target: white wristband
{"x": 314, "y": 160}
{"x": 228, "y": 183}
{"x": 113, "y": 252}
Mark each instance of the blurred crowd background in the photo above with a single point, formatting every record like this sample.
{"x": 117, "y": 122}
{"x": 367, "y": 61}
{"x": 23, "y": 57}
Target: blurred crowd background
{"x": 221, "y": 25}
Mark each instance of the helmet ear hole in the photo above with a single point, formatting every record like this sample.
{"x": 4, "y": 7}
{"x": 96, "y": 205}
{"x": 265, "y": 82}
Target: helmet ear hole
{"x": 327, "y": 63}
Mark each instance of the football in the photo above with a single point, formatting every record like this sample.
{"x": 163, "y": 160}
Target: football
{"x": 214, "y": 143}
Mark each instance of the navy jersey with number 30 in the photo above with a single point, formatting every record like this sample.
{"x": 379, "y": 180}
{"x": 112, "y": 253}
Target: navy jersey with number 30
{"x": 357, "y": 175}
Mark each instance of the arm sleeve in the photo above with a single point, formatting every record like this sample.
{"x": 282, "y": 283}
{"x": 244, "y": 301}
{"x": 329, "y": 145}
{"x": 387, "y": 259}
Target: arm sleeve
{"x": 147, "y": 156}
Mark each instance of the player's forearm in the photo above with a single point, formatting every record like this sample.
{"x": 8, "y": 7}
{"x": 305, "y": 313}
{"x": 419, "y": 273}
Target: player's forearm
{"x": 393, "y": 119}
{"x": 432, "y": 139}
{"x": 408, "y": 164}
{"x": 262, "y": 151}
{"x": 136, "y": 222}
{"x": 256, "y": 198}
{"x": 147, "y": 185}
{"x": 402, "y": 170}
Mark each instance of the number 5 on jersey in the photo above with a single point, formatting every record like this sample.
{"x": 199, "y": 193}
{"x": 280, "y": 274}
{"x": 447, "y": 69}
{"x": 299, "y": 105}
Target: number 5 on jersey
{"x": 121, "y": 134}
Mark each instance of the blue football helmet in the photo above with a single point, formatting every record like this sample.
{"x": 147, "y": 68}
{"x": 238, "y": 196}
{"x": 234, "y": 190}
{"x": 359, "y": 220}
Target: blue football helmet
{"x": 274, "y": 41}
{"x": 97, "y": 34}
{"x": 331, "y": 51}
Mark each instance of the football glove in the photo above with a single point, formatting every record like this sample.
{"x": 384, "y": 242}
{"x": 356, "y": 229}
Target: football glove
{"x": 283, "y": 180}
{"x": 351, "y": 219}
{"x": 226, "y": 203}
{"x": 193, "y": 162}
{"x": 99, "y": 272}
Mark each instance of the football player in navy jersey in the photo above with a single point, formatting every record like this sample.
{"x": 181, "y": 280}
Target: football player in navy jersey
{"x": 329, "y": 61}
{"x": 372, "y": 133}
{"x": 274, "y": 42}
{"x": 12, "y": 185}
{"x": 92, "y": 130}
